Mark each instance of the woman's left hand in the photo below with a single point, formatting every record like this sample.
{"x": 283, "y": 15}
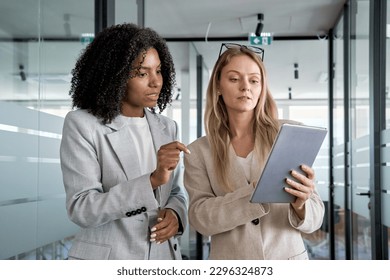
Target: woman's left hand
{"x": 166, "y": 227}
{"x": 302, "y": 188}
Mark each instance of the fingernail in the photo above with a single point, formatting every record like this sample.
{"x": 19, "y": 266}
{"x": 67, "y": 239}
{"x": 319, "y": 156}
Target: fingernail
{"x": 158, "y": 242}
{"x": 159, "y": 219}
{"x": 152, "y": 240}
{"x": 188, "y": 151}
{"x": 153, "y": 229}
{"x": 153, "y": 235}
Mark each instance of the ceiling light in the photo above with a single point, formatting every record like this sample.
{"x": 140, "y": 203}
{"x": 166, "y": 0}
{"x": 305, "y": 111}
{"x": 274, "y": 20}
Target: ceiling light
{"x": 260, "y": 25}
{"x": 296, "y": 73}
{"x": 22, "y": 74}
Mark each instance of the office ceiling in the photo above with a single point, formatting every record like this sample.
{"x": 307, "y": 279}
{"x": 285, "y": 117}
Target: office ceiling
{"x": 284, "y": 19}
{"x": 204, "y": 22}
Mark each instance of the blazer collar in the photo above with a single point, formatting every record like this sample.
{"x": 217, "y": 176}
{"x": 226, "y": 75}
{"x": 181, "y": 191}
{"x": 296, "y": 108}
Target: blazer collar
{"x": 158, "y": 130}
{"x": 117, "y": 124}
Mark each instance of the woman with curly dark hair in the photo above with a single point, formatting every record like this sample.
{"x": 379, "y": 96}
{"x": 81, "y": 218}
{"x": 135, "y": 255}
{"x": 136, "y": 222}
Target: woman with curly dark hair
{"x": 118, "y": 156}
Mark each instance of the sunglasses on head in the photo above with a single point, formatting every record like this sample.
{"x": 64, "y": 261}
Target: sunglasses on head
{"x": 257, "y": 50}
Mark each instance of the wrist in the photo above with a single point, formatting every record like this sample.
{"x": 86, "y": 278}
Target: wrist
{"x": 299, "y": 210}
{"x": 173, "y": 213}
{"x": 153, "y": 180}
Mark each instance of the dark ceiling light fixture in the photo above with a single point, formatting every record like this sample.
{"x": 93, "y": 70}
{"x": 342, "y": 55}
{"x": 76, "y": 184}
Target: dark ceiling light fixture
{"x": 289, "y": 93}
{"x": 260, "y": 25}
{"x": 178, "y": 94}
{"x": 296, "y": 73}
{"x": 22, "y": 74}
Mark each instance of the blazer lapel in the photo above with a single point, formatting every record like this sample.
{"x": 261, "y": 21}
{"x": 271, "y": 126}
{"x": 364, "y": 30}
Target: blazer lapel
{"x": 160, "y": 136}
{"x": 158, "y": 130}
{"x": 123, "y": 146}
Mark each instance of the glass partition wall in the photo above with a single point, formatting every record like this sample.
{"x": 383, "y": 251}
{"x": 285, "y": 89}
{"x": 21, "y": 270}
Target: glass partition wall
{"x": 339, "y": 143}
{"x": 385, "y": 142}
{"x": 359, "y": 130}
{"x": 360, "y": 148}
{"x": 36, "y": 60}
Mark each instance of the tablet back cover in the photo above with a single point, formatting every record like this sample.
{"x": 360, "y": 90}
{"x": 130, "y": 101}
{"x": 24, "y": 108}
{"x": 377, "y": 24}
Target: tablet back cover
{"x": 294, "y": 145}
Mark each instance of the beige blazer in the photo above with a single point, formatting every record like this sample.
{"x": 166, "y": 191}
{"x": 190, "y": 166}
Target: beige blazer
{"x": 240, "y": 229}
{"x": 106, "y": 194}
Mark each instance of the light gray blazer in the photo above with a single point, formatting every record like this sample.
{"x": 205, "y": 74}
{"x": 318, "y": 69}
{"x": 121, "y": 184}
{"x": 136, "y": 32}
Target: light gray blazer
{"x": 240, "y": 229}
{"x": 106, "y": 194}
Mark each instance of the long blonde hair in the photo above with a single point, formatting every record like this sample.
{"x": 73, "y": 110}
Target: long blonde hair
{"x": 216, "y": 119}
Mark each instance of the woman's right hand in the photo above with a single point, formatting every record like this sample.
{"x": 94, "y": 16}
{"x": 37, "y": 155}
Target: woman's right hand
{"x": 168, "y": 156}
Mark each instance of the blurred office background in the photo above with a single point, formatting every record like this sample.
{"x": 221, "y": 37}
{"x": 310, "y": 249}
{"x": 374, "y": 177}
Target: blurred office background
{"x": 328, "y": 65}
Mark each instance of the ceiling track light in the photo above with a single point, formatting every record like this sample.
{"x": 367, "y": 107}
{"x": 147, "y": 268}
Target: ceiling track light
{"x": 296, "y": 73}
{"x": 260, "y": 25}
{"x": 22, "y": 74}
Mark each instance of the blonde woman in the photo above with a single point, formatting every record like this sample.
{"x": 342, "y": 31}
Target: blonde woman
{"x": 241, "y": 124}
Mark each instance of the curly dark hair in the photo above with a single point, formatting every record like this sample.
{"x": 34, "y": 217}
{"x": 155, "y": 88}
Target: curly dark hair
{"x": 101, "y": 72}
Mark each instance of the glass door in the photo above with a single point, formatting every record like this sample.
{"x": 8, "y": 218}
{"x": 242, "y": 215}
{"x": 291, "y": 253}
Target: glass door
{"x": 359, "y": 131}
{"x": 361, "y": 149}
{"x": 338, "y": 153}
{"x": 385, "y": 164}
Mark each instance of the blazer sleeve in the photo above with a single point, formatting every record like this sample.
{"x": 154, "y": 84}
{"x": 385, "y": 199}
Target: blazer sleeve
{"x": 88, "y": 203}
{"x": 209, "y": 213}
{"x": 314, "y": 214}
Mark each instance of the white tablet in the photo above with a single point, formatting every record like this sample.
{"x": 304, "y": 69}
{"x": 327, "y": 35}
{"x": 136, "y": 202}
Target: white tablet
{"x": 294, "y": 145}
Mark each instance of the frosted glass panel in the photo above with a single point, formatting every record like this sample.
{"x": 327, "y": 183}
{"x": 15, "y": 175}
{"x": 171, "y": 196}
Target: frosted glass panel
{"x": 18, "y": 228}
{"x": 385, "y": 152}
{"x": 32, "y": 196}
{"x": 18, "y": 180}
{"x": 37, "y": 55}
{"x": 386, "y": 209}
{"x": 360, "y": 175}
{"x": 53, "y": 223}
{"x": 338, "y": 196}
{"x": 385, "y": 177}
{"x": 338, "y": 174}
{"x": 50, "y": 176}
{"x": 18, "y": 154}
{"x": 321, "y": 167}
{"x": 50, "y": 180}
{"x": 17, "y": 116}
